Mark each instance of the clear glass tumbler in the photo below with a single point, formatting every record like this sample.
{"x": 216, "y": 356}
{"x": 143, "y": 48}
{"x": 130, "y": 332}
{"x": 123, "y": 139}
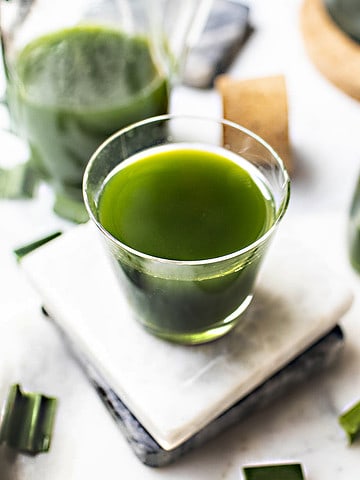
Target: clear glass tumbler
{"x": 198, "y": 300}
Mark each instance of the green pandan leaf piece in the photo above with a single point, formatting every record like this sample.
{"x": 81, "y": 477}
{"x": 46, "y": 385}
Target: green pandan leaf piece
{"x": 286, "y": 471}
{"x": 28, "y": 248}
{"x": 27, "y": 421}
{"x": 350, "y": 422}
{"x": 20, "y": 181}
{"x": 72, "y": 210}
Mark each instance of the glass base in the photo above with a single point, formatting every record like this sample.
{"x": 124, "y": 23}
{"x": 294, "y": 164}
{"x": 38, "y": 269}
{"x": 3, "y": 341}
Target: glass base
{"x": 70, "y": 208}
{"x": 213, "y": 333}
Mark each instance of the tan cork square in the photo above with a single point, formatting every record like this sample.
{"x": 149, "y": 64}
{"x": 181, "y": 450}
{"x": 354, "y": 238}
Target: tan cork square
{"x": 260, "y": 105}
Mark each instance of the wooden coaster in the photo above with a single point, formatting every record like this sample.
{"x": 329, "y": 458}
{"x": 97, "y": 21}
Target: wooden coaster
{"x": 333, "y": 52}
{"x": 259, "y": 104}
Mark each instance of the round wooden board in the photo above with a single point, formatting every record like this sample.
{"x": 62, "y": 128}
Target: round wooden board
{"x": 333, "y": 52}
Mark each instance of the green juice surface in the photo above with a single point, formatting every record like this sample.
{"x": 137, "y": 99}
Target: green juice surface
{"x": 69, "y": 90}
{"x": 185, "y": 204}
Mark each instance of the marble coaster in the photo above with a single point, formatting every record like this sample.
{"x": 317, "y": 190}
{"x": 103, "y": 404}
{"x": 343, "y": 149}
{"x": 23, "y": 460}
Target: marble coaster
{"x": 174, "y": 391}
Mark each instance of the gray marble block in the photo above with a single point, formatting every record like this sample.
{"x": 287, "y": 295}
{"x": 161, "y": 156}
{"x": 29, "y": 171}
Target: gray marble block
{"x": 226, "y": 30}
{"x": 317, "y": 357}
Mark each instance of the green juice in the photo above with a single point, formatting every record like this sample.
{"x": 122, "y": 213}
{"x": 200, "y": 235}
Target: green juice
{"x": 187, "y": 204}
{"x": 184, "y": 204}
{"x": 70, "y": 90}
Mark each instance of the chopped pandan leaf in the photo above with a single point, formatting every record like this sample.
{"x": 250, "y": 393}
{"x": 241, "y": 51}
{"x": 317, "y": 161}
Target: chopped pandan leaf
{"x": 20, "y": 181}
{"x": 72, "y": 210}
{"x": 27, "y": 421}
{"x": 25, "y": 249}
{"x": 285, "y": 471}
{"x": 350, "y": 422}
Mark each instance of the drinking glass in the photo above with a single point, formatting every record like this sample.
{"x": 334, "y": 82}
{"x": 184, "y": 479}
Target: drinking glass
{"x": 184, "y": 301}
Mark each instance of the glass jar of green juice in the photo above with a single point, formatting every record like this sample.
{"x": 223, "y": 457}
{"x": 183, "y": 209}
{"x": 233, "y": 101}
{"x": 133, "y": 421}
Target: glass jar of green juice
{"x": 78, "y": 70}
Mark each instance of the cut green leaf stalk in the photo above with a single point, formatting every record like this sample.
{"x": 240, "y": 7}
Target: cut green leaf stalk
{"x": 28, "y": 248}
{"x": 350, "y": 422}
{"x": 72, "y": 210}
{"x": 286, "y": 471}
{"x": 18, "y": 182}
{"x": 27, "y": 421}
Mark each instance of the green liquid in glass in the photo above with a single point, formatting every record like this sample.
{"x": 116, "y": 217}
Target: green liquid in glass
{"x": 70, "y": 90}
{"x": 187, "y": 204}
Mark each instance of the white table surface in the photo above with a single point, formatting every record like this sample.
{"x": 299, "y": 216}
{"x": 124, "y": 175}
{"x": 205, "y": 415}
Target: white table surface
{"x": 324, "y": 131}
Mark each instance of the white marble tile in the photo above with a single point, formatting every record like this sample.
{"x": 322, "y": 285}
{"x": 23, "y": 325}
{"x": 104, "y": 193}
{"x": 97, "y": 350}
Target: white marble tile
{"x": 175, "y": 390}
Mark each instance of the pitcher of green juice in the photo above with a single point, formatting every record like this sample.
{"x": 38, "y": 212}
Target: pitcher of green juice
{"x": 79, "y": 70}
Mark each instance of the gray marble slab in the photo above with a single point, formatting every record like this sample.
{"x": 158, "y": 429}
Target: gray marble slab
{"x": 309, "y": 363}
{"x": 226, "y": 30}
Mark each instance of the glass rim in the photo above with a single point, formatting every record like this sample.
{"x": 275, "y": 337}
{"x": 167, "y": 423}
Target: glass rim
{"x": 208, "y": 261}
